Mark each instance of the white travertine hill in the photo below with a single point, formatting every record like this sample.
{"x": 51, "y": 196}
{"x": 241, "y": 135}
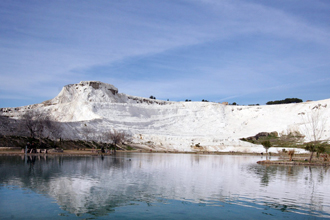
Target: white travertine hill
{"x": 165, "y": 125}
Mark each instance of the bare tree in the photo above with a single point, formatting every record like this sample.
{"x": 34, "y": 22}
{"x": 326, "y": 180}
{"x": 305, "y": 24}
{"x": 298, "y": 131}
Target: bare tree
{"x": 314, "y": 130}
{"x": 39, "y": 124}
{"x": 116, "y": 138}
{"x": 52, "y": 129}
{"x": 56, "y": 130}
{"x": 4, "y": 125}
{"x": 32, "y": 121}
{"x": 314, "y": 124}
{"x": 44, "y": 125}
{"x": 86, "y": 132}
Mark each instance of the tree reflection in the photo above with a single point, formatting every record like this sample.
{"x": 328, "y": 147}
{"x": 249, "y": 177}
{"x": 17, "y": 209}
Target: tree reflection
{"x": 41, "y": 174}
{"x": 268, "y": 173}
{"x": 264, "y": 172}
{"x": 299, "y": 177}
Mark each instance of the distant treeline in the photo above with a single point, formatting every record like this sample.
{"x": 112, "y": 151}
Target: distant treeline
{"x": 284, "y": 101}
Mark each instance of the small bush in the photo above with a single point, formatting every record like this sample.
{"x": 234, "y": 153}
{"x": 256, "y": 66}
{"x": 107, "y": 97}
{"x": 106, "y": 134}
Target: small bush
{"x": 266, "y": 145}
{"x": 129, "y": 148}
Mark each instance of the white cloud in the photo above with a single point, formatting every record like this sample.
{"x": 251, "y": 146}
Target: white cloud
{"x": 46, "y": 45}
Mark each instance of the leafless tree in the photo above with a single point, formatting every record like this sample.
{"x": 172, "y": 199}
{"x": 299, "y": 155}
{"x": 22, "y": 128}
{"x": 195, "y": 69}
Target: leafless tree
{"x": 116, "y": 138}
{"x": 314, "y": 129}
{"x": 4, "y": 125}
{"x": 32, "y": 121}
{"x": 39, "y": 124}
{"x": 52, "y": 129}
{"x": 56, "y": 130}
{"x": 314, "y": 125}
{"x": 86, "y": 132}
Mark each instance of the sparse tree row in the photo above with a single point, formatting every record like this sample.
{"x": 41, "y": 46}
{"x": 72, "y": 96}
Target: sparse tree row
{"x": 41, "y": 131}
{"x": 276, "y": 102}
{"x": 284, "y": 101}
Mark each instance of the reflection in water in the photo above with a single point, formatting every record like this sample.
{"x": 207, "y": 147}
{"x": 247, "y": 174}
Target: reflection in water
{"x": 296, "y": 187}
{"x": 98, "y": 185}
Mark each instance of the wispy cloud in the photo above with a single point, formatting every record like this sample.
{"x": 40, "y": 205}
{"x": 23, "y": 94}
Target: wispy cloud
{"x": 177, "y": 49}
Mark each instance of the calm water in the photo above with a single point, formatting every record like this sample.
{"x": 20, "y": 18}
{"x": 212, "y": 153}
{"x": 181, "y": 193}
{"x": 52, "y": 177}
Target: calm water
{"x": 160, "y": 186}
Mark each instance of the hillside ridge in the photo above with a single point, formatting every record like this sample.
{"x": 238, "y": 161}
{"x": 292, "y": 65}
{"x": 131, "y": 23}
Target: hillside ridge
{"x": 169, "y": 125}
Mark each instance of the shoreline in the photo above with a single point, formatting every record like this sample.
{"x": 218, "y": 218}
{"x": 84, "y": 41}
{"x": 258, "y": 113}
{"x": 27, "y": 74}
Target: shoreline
{"x": 90, "y": 152}
{"x": 293, "y": 163}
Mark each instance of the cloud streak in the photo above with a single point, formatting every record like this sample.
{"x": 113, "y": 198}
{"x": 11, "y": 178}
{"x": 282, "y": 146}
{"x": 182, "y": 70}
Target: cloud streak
{"x": 209, "y": 49}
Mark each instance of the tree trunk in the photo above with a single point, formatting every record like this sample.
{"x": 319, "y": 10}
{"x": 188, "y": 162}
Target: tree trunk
{"x": 311, "y": 157}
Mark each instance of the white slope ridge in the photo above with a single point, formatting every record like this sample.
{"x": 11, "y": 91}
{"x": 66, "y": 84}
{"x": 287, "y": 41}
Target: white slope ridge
{"x": 166, "y": 125}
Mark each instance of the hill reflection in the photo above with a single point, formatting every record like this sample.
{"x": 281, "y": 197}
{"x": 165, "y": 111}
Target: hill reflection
{"x": 96, "y": 185}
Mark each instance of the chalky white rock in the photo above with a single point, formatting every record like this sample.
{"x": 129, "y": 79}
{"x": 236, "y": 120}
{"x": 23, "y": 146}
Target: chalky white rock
{"x": 174, "y": 126}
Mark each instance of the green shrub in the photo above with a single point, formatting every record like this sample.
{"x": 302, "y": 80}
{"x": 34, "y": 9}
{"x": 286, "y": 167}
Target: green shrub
{"x": 266, "y": 145}
{"x": 129, "y": 148}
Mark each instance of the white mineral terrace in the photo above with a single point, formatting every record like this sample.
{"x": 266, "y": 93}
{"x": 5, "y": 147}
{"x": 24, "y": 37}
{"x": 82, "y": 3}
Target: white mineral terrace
{"x": 166, "y": 125}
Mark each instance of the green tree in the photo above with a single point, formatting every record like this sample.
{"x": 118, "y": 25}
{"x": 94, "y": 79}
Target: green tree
{"x": 266, "y": 145}
{"x": 320, "y": 150}
{"x": 311, "y": 148}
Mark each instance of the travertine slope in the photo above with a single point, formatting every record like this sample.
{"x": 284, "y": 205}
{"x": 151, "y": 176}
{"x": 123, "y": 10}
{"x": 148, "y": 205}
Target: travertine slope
{"x": 165, "y": 125}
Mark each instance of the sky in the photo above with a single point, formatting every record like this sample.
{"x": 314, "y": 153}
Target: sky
{"x": 248, "y": 52}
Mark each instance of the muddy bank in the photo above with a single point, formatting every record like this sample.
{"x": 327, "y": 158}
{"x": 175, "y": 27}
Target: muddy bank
{"x": 283, "y": 162}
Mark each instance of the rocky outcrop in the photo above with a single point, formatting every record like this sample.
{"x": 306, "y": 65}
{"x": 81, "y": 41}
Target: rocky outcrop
{"x": 262, "y": 134}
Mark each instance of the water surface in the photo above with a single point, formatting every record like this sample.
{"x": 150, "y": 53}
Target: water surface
{"x": 160, "y": 186}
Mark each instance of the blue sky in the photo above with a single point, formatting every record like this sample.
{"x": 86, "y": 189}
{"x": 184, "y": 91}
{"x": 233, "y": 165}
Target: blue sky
{"x": 248, "y": 52}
